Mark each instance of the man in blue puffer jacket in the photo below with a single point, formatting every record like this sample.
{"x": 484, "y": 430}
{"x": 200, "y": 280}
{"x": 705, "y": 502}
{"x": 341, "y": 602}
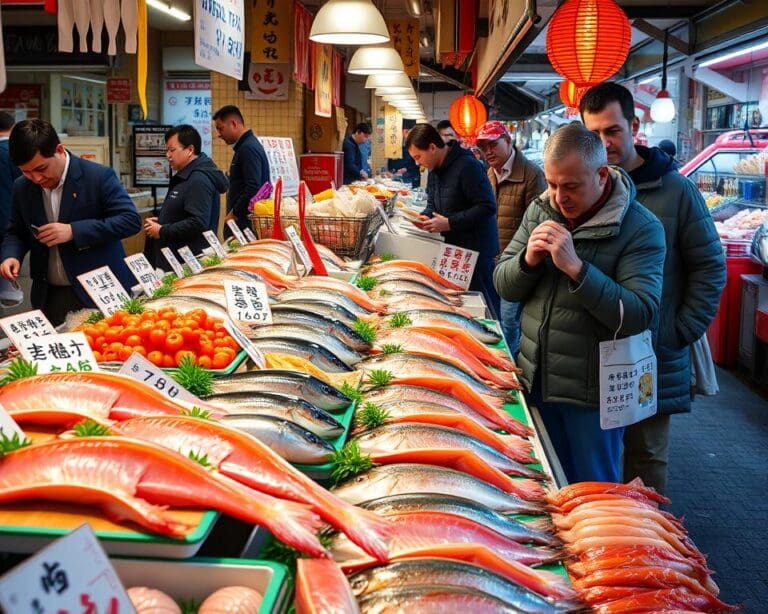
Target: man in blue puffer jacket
{"x": 460, "y": 203}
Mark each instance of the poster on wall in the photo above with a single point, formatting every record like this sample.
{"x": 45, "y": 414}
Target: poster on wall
{"x": 404, "y": 34}
{"x": 188, "y": 101}
{"x": 220, "y": 36}
{"x": 282, "y": 162}
{"x": 150, "y": 164}
{"x": 302, "y": 23}
{"x": 323, "y": 82}
{"x": 270, "y": 33}
{"x": 21, "y": 101}
{"x": 393, "y": 133}
{"x": 268, "y": 81}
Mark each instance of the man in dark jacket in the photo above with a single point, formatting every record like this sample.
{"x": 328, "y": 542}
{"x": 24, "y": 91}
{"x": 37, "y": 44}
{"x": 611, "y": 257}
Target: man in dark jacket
{"x": 405, "y": 168}
{"x": 353, "y": 158}
{"x": 191, "y": 205}
{"x": 9, "y": 172}
{"x": 69, "y": 214}
{"x": 249, "y": 169}
{"x": 583, "y": 249}
{"x": 461, "y": 205}
{"x": 694, "y": 270}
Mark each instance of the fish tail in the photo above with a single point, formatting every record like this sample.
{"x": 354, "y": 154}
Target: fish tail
{"x": 527, "y": 489}
{"x": 368, "y": 530}
{"x": 297, "y": 526}
{"x": 544, "y": 525}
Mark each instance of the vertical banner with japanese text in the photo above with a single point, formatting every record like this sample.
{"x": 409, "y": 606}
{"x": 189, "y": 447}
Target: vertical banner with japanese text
{"x": 220, "y": 36}
{"x": 302, "y": 23}
{"x": 404, "y": 34}
{"x": 393, "y": 132}
{"x": 378, "y": 106}
{"x": 270, "y": 34}
{"x": 323, "y": 80}
{"x": 337, "y": 65}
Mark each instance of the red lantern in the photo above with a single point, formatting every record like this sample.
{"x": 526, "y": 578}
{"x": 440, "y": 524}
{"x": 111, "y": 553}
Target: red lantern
{"x": 588, "y": 40}
{"x": 571, "y": 94}
{"x": 467, "y": 114}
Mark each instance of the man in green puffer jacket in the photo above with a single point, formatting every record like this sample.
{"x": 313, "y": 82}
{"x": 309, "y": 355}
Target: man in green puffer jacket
{"x": 585, "y": 244}
{"x": 694, "y": 271}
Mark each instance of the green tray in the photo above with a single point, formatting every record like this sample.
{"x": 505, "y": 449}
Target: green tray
{"x": 323, "y": 472}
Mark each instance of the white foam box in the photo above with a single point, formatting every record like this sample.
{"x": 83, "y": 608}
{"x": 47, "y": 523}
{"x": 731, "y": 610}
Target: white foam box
{"x": 474, "y": 303}
{"x": 404, "y": 247}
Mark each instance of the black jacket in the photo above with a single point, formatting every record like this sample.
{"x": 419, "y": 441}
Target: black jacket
{"x": 460, "y": 191}
{"x": 190, "y": 208}
{"x": 9, "y": 172}
{"x": 353, "y": 160}
{"x": 411, "y": 175}
{"x": 248, "y": 171}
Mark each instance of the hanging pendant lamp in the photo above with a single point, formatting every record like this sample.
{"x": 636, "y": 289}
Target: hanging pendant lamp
{"x": 374, "y": 60}
{"x": 663, "y": 108}
{"x": 387, "y": 80}
{"x": 349, "y": 22}
{"x": 571, "y": 94}
{"x": 466, "y": 115}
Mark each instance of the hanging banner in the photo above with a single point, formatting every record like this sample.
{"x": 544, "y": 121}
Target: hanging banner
{"x": 323, "y": 81}
{"x": 302, "y": 23}
{"x": 220, "y": 36}
{"x": 282, "y": 162}
{"x": 377, "y": 138}
{"x": 404, "y": 34}
{"x": 270, "y": 34}
{"x": 268, "y": 81}
{"x": 393, "y": 133}
{"x": 337, "y": 64}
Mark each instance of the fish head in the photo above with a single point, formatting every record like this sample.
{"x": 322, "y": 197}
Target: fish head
{"x": 334, "y": 393}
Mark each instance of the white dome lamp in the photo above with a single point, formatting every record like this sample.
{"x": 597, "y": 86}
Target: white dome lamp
{"x": 374, "y": 60}
{"x": 332, "y": 24}
{"x": 663, "y": 108}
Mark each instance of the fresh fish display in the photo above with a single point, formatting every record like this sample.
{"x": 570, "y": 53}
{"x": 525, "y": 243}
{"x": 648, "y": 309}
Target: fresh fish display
{"x": 416, "y": 532}
{"x": 445, "y": 572}
{"x": 664, "y": 600}
{"x": 406, "y": 478}
{"x": 326, "y": 309}
{"x": 536, "y": 532}
{"x": 266, "y": 257}
{"x": 291, "y": 441}
{"x": 631, "y": 490}
{"x": 285, "y": 314}
{"x": 325, "y": 295}
{"x": 287, "y": 407}
{"x": 479, "y": 330}
{"x": 405, "y": 301}
{"x": 318, "y": 355}
{"x": 414, "y": 436}
{"x": 306, "y": 333}
{"x": 344, "y": 288}
{"x": 292, "y": 383}
{"x": 187, "y": 302}
{"x": 415, "y": 288}
{"x": 417, "y": 279}
{"x": 433, "y": 599}
{"x": 245, "y": 459}
{"x": 411, "y": 267}
{"x": 321, "y": 588}
{"x": 264, "y": 270}
{"x": 128, "y": 479}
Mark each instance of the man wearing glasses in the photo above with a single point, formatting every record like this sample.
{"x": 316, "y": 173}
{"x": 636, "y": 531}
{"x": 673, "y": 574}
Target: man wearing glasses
{"x": 515, "y": 182}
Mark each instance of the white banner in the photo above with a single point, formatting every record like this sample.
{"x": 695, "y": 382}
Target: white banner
{"x": 282, "y": 162}
{"x": 220, "y": 36}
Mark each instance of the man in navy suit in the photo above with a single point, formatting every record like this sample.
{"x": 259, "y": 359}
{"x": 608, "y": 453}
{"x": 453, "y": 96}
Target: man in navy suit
{"x": 70, "y": 214}
{"x": 10, "y": 296}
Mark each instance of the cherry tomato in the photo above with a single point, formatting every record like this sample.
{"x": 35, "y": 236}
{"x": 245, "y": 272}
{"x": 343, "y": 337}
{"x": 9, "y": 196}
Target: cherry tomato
{"x": 157, "y": 337}
{"x": 205, "y": 362}
{"x": 179, "y": 356}
{"x": 117, "y": 318}
{"x": 97, "y": 355}
{"x": 125, "y": 353}
{"x": 131, "y": 320}
{"x": 112, "y": 334}
{"x": 90, "y": 340}
{"x": 149, "y": 314}
{"x": 115, "y": 346}
{"x": 140, "y": 349}
{"x": 206, "y": 348}
{"x": 133, "y": 340}
{"x": 145, "y": 330}
{"x": 109, "y": 356}
{"x": 168, "y": 361}
{"x": 156, "y": 358}
{"x": 191, "y": 336}
{"x": 221, "y": 360}
{"x": 174, "y": 341}
{"x": 199, "y": 316}
{"x": 128, "y": 331}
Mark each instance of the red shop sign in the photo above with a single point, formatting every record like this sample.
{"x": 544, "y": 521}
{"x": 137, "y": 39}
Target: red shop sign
{"x": 118, "y": 90}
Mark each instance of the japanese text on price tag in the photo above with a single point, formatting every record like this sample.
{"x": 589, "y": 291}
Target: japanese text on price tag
{"x": 293, "y": 237}
{"x": 248, "y": 302}
{"x": 71, "y": 575}
{"x": 249, "y": 235}
{"x": 139, "y": 368}
{"x": 105, "y": 290}
{"x": 144, "y": 273}
{"x": 173, "y": 261}
{"x": 214, "y": 242}
{"x": 253, "y": 352}
{"x": 68, "y": 352}
{"x": 455, "y": 264}
{"x": 190, "y": 259}
{"x": 236, "y": 232}
{"x": 27, "y": 325}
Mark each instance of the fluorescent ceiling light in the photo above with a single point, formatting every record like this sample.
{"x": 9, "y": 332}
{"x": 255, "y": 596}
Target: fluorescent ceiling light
{"x": 734, "y": 54}
{"x": 648, "y": 80}
{"x": 86, "y": 79}
{"x": 375, "y": 59}
{"x": 166, "y": 8}
{"x": 349, "y": 22}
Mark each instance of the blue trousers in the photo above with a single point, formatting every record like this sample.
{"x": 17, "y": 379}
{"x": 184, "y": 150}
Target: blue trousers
{"x": 482, "y": 281}
{"x": 510, "y": 325}
{"x": 586, "y": 452}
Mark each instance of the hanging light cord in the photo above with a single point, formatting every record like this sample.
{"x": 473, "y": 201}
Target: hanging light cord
{"x": 664, "y": 61}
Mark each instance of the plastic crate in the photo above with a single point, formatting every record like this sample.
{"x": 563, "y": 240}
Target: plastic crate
{"x": 345, "y": 236}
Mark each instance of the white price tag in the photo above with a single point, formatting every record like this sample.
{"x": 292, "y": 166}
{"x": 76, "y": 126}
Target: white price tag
{"x": 248, "y": 301}
{"x": 236, "y": 232}
{"x": 68, "y": 352}
{"x": 214, "y": 242}
{"x": 173, "y": 261}
{"x": 8, "y": 426}
{"x": 249, "y": 235}
{"x": 385, "y": 218}
{"x": 255, "y": 353}
{"x": 139, "y": 368}
{"x": 105, "y": 290}
{"x": 73, "y": 574}
{"x": 190, "y": 259}
{"x": 144, "y": 273}
{"x": 25, "y": 326}
{"x": 293, "y": 237}
{"x": 455, "y": 264}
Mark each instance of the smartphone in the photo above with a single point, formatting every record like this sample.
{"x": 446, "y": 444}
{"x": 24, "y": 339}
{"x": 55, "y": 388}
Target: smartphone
{"x": 35, "y": 229}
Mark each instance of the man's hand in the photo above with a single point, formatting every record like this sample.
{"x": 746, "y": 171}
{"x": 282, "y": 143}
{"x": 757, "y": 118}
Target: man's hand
{"x": 401, "y": 171}
{"x": 9, "y": 269}
{"x": 152, "y": 228}
{"x": 363, "y": 175}
{"x": 557, "y": 240}
{"x": 436, "y": 223}
{"x": 538, "y": 246}
{"x": 54, "y": 234}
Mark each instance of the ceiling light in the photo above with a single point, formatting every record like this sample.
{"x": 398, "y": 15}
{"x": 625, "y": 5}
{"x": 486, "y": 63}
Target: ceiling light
{"x": 349, "y": 22}
{"x": 414, "y": 8}
{"x": 388, "y": 80}
{"x": 663, "y": 108}
{"x": 166, "y": 8}
{"x": 734, "y": 54}
{"x": 386, "y": 91}
{"x": 407, "y": 96}
{"x": 376, "y": 59}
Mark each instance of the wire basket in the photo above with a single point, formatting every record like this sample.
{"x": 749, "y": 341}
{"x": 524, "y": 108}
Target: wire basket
{"x": 344, "y": 236}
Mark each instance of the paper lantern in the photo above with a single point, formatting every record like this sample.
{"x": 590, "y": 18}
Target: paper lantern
{"x": 588, "y": 40}
{"x": 571, "y": 94}
{"x": 467, "y": 114}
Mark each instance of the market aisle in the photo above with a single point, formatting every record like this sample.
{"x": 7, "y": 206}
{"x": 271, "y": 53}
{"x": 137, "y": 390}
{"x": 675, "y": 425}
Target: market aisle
{"x": 718, "y": 480}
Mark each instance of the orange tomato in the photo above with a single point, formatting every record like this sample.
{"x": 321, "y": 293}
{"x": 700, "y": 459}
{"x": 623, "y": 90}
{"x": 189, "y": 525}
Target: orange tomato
{"x": 91, "y": 331}
{"x": 199, "y": 316}
{"x": 110, "y": 356}
{"x": 156, "y": 358}
{"x": 163, "y": 324}
{"x": 191, "y": 336}
{"x": 131, "y": 320}
{"x": 149, "y": 314}
{"x": 221, "y": 360}
{"x": 231, "y": 343}
{"x": 157, "y": 337}
{"x": 117, "y": 317}
{"x": 128, "y": 331}
{"x": 206, "y": 348}
{"x": 182, "y": 353}
{"x": 168, "y": 361}
{"x": 112, "y": 334}
{"x": 90, "y": 340}
{"x": 174, "y": 341}
{"x": 145, "y": 329}
{"x": 125, "y": 353}
{"x": 205, "y": 362}
{"x": 97, "y": 355}
{"x": 133, "y": 340}
{"x": 101, "y": 325}
{"x": 140, "y": 349}
{"x": 115, "y": 346}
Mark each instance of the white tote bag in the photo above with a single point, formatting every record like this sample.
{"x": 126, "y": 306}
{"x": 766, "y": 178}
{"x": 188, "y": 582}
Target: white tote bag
{"x": 627, "y": 378}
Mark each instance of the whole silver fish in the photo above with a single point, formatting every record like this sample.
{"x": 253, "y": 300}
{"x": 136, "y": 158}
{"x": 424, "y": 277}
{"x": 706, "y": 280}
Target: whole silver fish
{"x": 279, "y": 381}
{"x": 415, "y": 277}
{"x": 433, "y": 599}
{"x": 291, "y": 441}
{"x": 285, "y": 314}
{"x": 536, "y": 532}
{"x": 414, "y": 436}
{"x": 317, "y": 294}
{"x": 479, "y": 330}
{"x": 427, "y": 571}
{"x": 301, "y": 332}
{"x": 403, "y": 478}
{"x": 282, "y": 406}
{"x": 323, "y": 308}
{"x": 414, "y": 287}
{"x": 184, "y": 302}
{"x": 317, "y": 354}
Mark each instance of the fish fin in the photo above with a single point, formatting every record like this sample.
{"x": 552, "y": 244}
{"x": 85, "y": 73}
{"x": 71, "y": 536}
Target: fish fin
{"x": 368, "y": 530}
{"x": 541, "y": 524}
{"x": 297, "y": 525}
